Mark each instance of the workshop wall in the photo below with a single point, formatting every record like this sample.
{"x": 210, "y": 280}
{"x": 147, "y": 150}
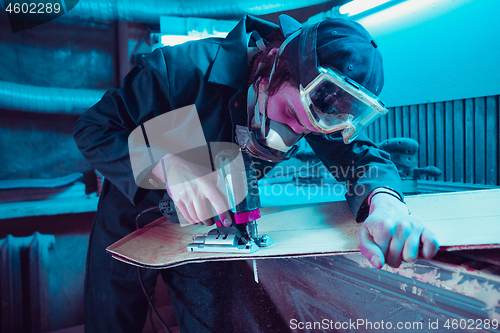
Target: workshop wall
{"x": 436, "y": 51}
{"x": 62, "y": 272}
{"x": 36, "y": 145}
{"x": 439, "y": 84}
{"x": 460, "y": 137}
{"x": 441, "y": 68}
{"x": 40, "y": 145}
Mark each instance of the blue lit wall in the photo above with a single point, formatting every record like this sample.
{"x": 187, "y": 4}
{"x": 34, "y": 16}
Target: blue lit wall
{"x": 438, "y": 50}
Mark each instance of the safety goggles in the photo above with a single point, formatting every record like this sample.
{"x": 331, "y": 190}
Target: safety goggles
{"x": 333, "y": 102}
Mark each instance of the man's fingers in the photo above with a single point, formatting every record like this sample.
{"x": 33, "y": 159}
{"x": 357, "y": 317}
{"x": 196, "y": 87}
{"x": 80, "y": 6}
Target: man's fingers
{"x": 225, "y": 219}
{"x": 430, "y": 244}
{"x": 203, "y": 209}
{"x": 381, "y": 234}
{"x": 403, "y": 230}
{"x": 220, "y": 206}
{"x": 208, "y": 222}
{"x": 183, "y": 210}
{"x": 394, "y": 256}
{"x": 410, "y": 249}
{"x": 369, "y": 249}
{"x": 215, "y": 198}
{"x": 192, "y": 213}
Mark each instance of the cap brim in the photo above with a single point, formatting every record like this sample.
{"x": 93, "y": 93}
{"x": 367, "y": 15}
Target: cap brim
{"x": 288, "y": 25}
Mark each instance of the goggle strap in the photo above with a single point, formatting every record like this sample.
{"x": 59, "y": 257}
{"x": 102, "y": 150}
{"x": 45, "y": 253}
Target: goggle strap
{"x": 280, "y": 51}
{"x": 259, "y": 41}
{"x": 309, "y": 58}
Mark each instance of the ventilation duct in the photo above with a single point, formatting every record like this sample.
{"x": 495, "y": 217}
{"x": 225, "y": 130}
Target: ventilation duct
{"x": 75, "y": 101}
{"x": 149, "y": 11}
{"x": 15, "y": 96}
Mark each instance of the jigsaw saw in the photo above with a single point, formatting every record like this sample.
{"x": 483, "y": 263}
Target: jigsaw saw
{"x": 237, "y": 178}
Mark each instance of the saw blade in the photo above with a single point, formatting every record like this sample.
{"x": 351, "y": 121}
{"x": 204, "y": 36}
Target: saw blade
{"x": 221, "y": 245}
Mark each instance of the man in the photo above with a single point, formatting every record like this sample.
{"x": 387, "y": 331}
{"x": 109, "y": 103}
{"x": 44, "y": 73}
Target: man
{"x": 240, "y": 86}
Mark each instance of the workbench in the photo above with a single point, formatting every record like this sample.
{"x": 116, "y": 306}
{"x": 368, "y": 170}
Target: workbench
{"x": 344, "y": 293}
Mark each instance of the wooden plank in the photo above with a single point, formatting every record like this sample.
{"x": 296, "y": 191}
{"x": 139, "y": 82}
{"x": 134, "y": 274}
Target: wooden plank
{"x": 391, "y": 124}
{"x": 369, "y": 133}
{"x": 10, "y": 184}
{"x": 406, "y": 121}
{"x": 437, "y": 186}
{"x": 413, "y": 118}
{"x": 345, "y": 288}
{"x": 378, "y": 135}
{"x": 383, "y": 127}
{"x": 373, "y": 128}
{"x": 422, "y": 136}
{"x": 55, "y": 206}
{"x": 380, "y": 129}
{"x": 469, "y": 141}
{"x": 458, "y": 141}
{"x": 479, "y": 140}
{"x": 491, "y": 256}
{"x": 398, "y": 121}
{"x": 431, "y": 135}
{"x": 448, "y": 151}
{"x": 23, "y": 194}
{"x": 319, "y": 229}
{"x": 440, "y": 136}
{"x": 376, "y": 129}
{"x": 492, "y": 136}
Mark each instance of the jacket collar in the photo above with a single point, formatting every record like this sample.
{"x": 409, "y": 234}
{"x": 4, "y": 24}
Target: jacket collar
{"x": 229, "y": 66}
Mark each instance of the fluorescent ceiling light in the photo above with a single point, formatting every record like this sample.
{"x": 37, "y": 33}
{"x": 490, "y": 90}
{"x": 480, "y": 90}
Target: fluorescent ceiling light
{"x": 171, "y": 40}
{"x": 358, "y": 6}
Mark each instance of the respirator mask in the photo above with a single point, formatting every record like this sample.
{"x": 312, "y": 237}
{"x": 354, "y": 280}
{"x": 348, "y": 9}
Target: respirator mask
{"x": 264, "y": 138}
{"x": 331, "y": 100}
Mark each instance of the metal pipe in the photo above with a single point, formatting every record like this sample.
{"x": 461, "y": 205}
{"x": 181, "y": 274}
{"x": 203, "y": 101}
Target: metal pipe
{"x": 149, "y": 11}
{"x": 47, "y": 100}
{"x": 61, "y": 100}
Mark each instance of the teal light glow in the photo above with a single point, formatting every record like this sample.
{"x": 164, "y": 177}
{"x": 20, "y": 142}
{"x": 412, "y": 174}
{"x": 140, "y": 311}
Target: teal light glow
{"x": 358, "y": 6}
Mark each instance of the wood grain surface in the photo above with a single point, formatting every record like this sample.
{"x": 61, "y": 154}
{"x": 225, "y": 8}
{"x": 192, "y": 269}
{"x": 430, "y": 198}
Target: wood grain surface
{"x": 458, "y": 219}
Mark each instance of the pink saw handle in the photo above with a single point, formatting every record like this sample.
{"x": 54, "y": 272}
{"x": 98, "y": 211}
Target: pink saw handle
{"x": 247, "y": 216}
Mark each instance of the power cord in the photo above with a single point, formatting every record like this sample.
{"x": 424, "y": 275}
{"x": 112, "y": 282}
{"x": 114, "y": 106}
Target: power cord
{"x": 148, "y": 210}
{"x": 157, "y": 208}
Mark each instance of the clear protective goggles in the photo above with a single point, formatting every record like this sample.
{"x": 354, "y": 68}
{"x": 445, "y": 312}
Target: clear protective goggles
{"x": 334, "y": 102}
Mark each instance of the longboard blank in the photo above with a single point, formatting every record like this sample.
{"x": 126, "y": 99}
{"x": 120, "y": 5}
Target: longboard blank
{"x": 458, "y": 219}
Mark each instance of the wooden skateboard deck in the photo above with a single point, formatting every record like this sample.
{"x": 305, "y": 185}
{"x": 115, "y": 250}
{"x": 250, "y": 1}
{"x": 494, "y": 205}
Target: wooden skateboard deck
{"x": 459, "y": 219}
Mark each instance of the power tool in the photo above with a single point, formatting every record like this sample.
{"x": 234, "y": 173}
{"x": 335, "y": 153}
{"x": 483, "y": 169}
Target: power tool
{"x": 237, "y": 178}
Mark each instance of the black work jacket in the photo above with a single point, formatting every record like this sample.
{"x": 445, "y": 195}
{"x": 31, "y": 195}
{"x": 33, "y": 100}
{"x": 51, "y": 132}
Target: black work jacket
{"x": 210, "y": 73}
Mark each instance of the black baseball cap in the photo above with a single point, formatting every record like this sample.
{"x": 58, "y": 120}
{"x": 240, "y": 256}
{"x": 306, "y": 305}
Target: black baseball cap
{"x": 339, "y": 43}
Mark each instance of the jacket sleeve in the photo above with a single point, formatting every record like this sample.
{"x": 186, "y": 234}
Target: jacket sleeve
{"x": 361, "y": 164}
{"x": 102, "y": 132}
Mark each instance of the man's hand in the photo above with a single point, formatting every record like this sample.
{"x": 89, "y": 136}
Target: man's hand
{"x": 390, "y": 235}
{"x": 193, "y": 189}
